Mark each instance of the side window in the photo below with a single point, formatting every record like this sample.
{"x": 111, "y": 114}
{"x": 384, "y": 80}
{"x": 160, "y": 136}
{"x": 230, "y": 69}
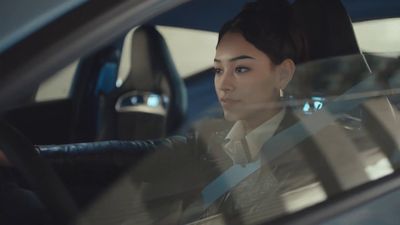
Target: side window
{"x": 57, "y": 86}
{"x": 379, "y": 36}
{"x": 192, "y": 50}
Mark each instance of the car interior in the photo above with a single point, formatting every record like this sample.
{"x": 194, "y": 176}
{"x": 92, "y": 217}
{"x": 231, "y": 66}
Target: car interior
{"x": 90, "y": 112}
{"x": 104, "y": 128}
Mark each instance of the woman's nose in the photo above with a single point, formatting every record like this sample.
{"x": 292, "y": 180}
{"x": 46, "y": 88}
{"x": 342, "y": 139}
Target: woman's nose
{"x": 227, "y": 82}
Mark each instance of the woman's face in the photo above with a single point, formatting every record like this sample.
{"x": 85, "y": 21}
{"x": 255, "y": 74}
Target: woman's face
{"x": 246, "y": 81}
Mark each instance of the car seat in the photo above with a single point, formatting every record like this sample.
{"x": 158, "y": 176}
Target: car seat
{"x": 152, "y": 101}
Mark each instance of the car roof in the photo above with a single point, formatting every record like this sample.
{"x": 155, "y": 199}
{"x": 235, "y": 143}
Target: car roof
{"x": 27, "y": 19}
{"x": 195, "y": 10}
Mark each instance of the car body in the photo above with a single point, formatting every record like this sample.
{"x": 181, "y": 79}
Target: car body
{"x": 349, "y": 82}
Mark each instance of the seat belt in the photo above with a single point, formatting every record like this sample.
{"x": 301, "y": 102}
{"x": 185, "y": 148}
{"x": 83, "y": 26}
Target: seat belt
{"x": 227, "y": 180}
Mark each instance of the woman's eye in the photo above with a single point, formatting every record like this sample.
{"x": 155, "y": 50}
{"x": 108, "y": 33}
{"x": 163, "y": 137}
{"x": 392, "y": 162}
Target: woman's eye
{"x": 217, "y": 71}
{"x": 241, "y": 69}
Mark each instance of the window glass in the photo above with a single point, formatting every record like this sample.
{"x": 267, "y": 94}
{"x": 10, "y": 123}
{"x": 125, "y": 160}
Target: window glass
{"x": 57, "y": 86}
{"x": 191, "y": 50}
{"x": 379, "y": 36}
{"x": 265, "y": 149}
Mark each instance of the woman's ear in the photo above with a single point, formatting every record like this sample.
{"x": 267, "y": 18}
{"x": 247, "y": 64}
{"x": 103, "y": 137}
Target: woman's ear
{"x": 285, "y": 73}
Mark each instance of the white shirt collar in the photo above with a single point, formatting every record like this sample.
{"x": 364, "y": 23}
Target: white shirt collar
{"x": 255, "y": 138}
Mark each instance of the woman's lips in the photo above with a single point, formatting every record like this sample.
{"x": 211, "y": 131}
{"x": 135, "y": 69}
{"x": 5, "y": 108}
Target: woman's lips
{"x": 228, "y": 101}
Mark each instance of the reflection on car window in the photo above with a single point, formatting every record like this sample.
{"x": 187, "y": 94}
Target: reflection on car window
{"x": 345, "y": 142}
{"x": 57, "y": 86}
{"x": 333, "y": 128}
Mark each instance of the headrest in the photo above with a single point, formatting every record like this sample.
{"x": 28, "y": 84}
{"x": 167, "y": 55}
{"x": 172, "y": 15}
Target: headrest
{"x": 153, "y": 71}
{"x": 329, "y": 33}
{"x": 327, "y": 28}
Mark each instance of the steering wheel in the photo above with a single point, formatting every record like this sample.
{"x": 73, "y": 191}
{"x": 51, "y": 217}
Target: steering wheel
{"x": 39, "y": 175}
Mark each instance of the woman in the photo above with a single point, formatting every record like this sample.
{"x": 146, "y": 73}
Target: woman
{"x": 255, "y": 59}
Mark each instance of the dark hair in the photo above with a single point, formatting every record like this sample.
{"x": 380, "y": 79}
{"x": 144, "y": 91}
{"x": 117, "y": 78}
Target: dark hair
{"x": 269, "y": 25}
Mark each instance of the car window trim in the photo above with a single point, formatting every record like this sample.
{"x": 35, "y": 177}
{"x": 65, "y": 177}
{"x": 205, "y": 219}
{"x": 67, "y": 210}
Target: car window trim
{"x": 341, "y": 203}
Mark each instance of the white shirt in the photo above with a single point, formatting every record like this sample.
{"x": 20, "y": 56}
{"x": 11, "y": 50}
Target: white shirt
{"x": 242, "y": 148}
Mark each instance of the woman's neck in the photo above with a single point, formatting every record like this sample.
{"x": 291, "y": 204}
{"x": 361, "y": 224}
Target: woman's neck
{"x": 256, "y": 120}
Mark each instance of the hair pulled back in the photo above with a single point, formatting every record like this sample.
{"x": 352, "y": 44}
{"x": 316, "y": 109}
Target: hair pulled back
{"x": 270, "y": 26}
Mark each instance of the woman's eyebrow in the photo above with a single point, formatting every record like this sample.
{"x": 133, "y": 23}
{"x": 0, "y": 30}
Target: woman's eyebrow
{"x": 236, "y": 58}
